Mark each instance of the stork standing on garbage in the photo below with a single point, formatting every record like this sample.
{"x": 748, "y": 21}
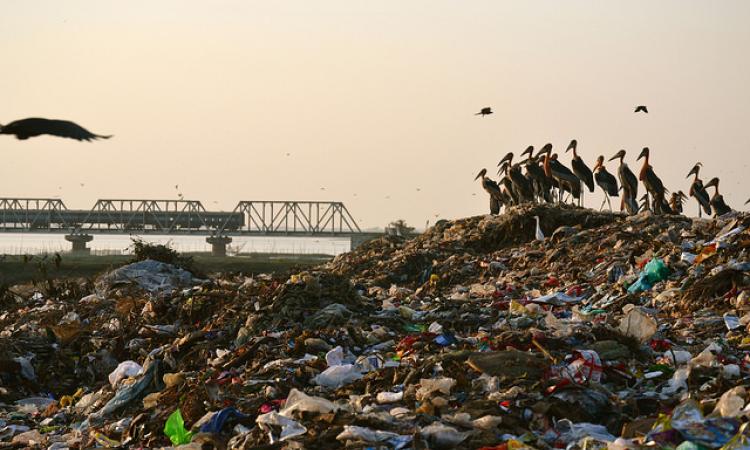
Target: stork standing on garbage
{"x": 606, "y": 181}
{"x": 652, "y": 182}
{"x": 521, "y": 185}
{"x": 698, "y": 191}
{"x": 496, "y": 196}
{"x": 629, "y": 184}
{"x": 581, "y": 170}
{"x": 717, "y": 200}
{"x": 565, "y": 179}
{"x": 535, "y": 174}
{"x": 676, "y": 201}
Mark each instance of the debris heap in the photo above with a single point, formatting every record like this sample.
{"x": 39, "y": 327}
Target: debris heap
{"x": 613, "y": 332}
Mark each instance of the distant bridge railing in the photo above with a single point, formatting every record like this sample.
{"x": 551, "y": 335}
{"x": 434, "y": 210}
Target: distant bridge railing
{"x": 290, "y": 217}
{"x": 177, "y": 217}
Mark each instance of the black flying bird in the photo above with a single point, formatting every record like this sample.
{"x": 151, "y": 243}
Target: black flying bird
{"x": 26, "y": 128}
{"x": 641, "y": 108}
{"x": 484, "y": 112}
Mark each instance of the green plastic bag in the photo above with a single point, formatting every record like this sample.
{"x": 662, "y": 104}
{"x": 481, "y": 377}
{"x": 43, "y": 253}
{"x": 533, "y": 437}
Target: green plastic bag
{"x": 175, "y": 429}
{"x": 656, "y": 271}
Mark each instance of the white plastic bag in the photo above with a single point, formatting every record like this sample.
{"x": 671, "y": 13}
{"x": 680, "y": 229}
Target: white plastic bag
{"x": 124, "y": 370}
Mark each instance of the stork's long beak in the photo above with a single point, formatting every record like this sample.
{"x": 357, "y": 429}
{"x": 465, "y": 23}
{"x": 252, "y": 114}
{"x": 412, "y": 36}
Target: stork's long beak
{"x": 508, "y": 157}
{"x": 547, "y": 148}
{"x": 682, "y": 195}
{"x": 619, "y": 154}
{"x": 481, "y": 172}
{"x": 644, "y": 152}
{"x": 714, "y": 181}
{"x": 573, "y": 144}
{"x": 748, "y": 201}
{"x": 693, "y": 171}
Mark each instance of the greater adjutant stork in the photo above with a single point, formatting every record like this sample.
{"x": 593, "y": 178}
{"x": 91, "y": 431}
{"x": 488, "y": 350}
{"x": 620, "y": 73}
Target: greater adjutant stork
{"x": 652, "y": 182}
{"x": 698, "y": 191}
{"x": 629, "y": 184}
{"x": 580, "y": 169}
{"x": 606, "y": 181}
{"x": 521, "y": 185}
{"x": 566, "y": 179}
{"x": 717, "y": 200}
{"x": 496, "y": 196}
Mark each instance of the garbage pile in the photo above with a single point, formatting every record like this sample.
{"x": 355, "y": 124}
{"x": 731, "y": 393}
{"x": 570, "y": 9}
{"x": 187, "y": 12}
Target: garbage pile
{"x": 613, "y": 332}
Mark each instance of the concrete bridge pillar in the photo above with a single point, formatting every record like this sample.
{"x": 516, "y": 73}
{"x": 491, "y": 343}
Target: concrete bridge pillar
{"x": 79, "y": 242}
{"x": 218, "y": 245}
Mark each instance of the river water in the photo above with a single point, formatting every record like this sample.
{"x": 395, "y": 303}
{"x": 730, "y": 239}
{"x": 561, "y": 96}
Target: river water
{"x": 33, "y": 243}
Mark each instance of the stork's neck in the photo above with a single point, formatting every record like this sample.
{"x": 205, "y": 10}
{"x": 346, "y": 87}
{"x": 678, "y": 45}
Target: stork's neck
{"x": 575, "y": 155}
{"x": 547, "y": 169}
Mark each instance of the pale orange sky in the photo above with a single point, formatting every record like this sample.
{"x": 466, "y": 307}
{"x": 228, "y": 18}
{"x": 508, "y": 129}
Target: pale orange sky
{"x": 369, "y": 98}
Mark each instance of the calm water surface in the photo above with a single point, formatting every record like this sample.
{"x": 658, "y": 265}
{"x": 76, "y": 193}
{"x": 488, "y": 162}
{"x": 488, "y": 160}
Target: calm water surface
{"x": 18, "y": 244}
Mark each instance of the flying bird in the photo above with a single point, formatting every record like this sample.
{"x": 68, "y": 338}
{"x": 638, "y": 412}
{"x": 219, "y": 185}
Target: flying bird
{"x": 484, "y": 112}
{"x": 641, "y": 108}
{"x": 32, "y": 127}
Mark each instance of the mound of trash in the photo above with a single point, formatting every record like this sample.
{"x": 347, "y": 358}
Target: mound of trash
{"x": 610, "y": 332}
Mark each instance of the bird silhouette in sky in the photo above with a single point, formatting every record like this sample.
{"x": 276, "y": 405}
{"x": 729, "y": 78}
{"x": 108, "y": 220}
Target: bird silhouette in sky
{"x": 641, "y": 108}
{"x": 484, "y": 111}
{"x": 35, "y": 126}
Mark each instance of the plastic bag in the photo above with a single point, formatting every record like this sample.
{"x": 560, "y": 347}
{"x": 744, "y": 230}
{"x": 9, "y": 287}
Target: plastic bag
{"x": 218, "y": 420}
{"x": 443, "y": 435}
{"x": 299, "y": 401}
{"x": 289, "y": 428}
{"x": 430, "y": 386}
{"x": 336, "y": 376}
{"x": 174, "y": 428}
{"x": 654, "y": 272}
{"x": 731, "y": 402}
{"x": 125, "y": 369}
{"x": 638, "y": 324}
{"x": 355, "y": 433}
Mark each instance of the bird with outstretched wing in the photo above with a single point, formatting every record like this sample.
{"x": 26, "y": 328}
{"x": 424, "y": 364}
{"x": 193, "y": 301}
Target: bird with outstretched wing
{"x": 641, "y": 108}
{"x": 35, "y": 126}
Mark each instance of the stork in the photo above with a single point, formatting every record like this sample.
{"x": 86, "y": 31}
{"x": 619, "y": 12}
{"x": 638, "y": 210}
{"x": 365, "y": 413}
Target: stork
{"x": 717, "y": 200}
{"x": 35, "y": 126}
{"x": 629, "y": 184}
{"x": 652, "y": 182}
{"x": 521, "y": 185}
{"x": 606, "y": 181}
{"x": 566, "y": 179}
{"x": 580, "y": 169}
{"x": 535, "y": 173}
{"x": 496, "y": 196}
{"x": 506, "y": 182}
{"x": 644, "y": 204}
{"x": 676, "y": 201}
{"x": 641, "y": 108}
{"x": 698, "y": 191}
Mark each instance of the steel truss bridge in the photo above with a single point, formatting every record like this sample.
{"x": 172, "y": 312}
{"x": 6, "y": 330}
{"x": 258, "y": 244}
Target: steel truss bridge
{"x": 181, "y": 217}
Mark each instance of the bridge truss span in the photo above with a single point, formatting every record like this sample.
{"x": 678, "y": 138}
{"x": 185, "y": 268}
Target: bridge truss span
{"x": 294, "y": 218}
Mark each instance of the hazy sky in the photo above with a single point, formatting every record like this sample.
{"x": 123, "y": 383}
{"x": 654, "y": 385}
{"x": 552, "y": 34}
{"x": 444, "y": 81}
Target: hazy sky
{"x": 371, "y": 99}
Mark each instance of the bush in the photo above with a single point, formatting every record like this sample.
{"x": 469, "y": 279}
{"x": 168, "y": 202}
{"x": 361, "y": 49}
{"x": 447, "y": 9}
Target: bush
{"x": 158, "y": 252}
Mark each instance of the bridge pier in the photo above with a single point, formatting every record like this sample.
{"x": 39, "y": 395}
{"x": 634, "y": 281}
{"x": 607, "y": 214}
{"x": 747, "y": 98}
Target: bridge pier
{"x": 218, "y": 245}
{"x": 79, "y": 242}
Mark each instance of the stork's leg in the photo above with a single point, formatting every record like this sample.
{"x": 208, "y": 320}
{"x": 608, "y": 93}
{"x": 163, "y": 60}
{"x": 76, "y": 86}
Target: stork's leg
{"x": 606, "y": 197}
